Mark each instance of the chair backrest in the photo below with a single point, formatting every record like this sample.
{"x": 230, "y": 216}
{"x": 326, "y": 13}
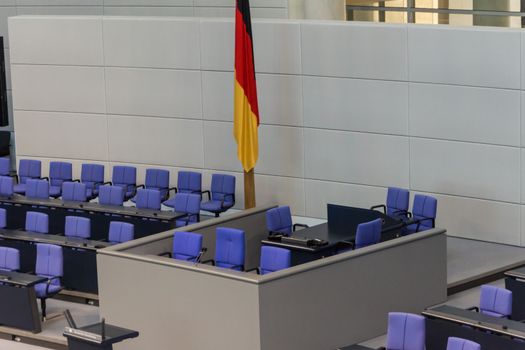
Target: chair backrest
{"x": 37, "y": 222}
{"x": 397, "y": 200}
{"x": 74, "y": 191}
{"x": 279, "y": 220}
{"x": 111, "y": 195}
{"x": 77, "y": 226}
{"x": 92, "y": 174}
{"x": 274, "y": 259}
{"x": 368, "y": 233}
{"x": 124, "y": 175}
{"x": 37, "y": 188}
{"x": 229, "y": 248}
{"x": 120, "y": 232}
{"x": 60, "y": 172}
{"x": 189, "y": 182}
{"x": 9, "y": 259}
{"x": 3, "y": 218}
{"x": 7, "y": 184}
{"x": 405, "y": 331}
{"x": 495, "y": 301}
{"x": 5, "y": 166}
{"x": 424, "y": 207}
{"x": 186, "y": 246}
{"x": 461, "y": 344}
{"x": 29, "y": 169}
{"x": 148, "y": 199}
{"x": 187, "y": 203}
{"x": 49, "y": 260}
{"x": 223, "y": 187}
{"x": 157, "y": 179}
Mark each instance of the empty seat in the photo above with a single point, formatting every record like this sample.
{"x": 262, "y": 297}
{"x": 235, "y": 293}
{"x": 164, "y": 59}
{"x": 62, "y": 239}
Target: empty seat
{"x": 368, "y": 233}
{"x": 120, "y": 232}
{"x": 49, "y": 264}
{"x": 37, "y": 222}
{"x": 187, "y": 182}
{"x": 274, "y": 259}
{"x": 111, "y": 195}
{"x": 27, "y": 169}
{"x": 405, "y": 331}
{"x": 5, "y": 166}
{"x": 188, "y": 204}
{"x": 397, "y": 200}
{"x": 494, "y": 301}
{"x": 6, "y": 186}
{"x": 77, "y": 226}
{"x": 229, "y": 249}
{"x": 59, "y": 172}
{"x": 222, "y": 194}
{"x": 157, "y": 179}
{"x": 92, "y": 175}
{"x": 37, "y": 189}
{"x": 148, "y": 199}
{"x": 187, "y": 246}
{"x": 279, "y": 221}
{"x": 424, "y": 211}
{"x": 74, "y": 192}
{"x": 125, "y": 177}
{"x": 9, "y": 259}
{"x": 461, "y": 344}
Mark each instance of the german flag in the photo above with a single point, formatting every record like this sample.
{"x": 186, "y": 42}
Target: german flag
{"x": 246, "y": 110}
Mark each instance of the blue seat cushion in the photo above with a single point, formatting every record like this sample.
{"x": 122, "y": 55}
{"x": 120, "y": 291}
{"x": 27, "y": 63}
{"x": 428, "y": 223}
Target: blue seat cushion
{"x": 20, "y": 188}
{"x": 40, "y": 289}
{"x": 170, "y": 202}
{"x": 54, "y": 191}
{"x": 215, "y": 205}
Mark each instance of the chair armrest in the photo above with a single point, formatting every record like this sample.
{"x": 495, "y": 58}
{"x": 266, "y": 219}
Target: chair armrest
{"x": 15, "y": 176}
{"x": 224, "y": 197}
{"x": 379, "y": 206}
{"x": 76, "y": 180}
{"x": 168, "y": 254}
{"x": 400, "y": 212}
{"x": 140, "y": 186}
{"x": 419, "y": 221}
{"x": 44, "y": 178}
{"x": 295, "y": 226}
{"x": 107, "y": 183}
{"x": 208, "y": 193}
{"x": 209, "y": 261}
{"x": 173, "y": 189}
{"x": 473, "y": 308}
{"x": 254, "y": 269}
{"x": 48, "y": 283}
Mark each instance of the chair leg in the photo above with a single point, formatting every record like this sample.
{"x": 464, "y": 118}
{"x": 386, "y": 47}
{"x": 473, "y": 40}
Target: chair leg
{"x": 216, "y": 215}
{"x": 43, "y": 307}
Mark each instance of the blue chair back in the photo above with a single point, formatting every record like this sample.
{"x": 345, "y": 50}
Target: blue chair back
{"x": 37, "y": 222}
{"x": 74, "y": 192}
{"x": 148, "y": 199}
{"x": 37, "y": 189}
{"x": 91, "y": 175}
{"x": 9, "y": 259}
{"x": 368, "y": 233}
{"x": 189, "y": 182}
{"x": 188, "y": 204}
{"x": 49, "y": 261}
{"x": 424, "y": 207}
{"x": 77, "y": 226}
{"x": 229, "y": 248}
{"x": 186, "y": 246}
{"x": 397, "y": 200}
{"x": 60, "y": 172}
{"x": 3, "y": 218}
{"x": 29, "y": 169}
{"x": 405, "y": 331}
{"x": 120, "y": 232}
{"x": 461, "y": 344}
{"x": 5, "y": 166}
{"x": 274, "y": 259}
{"x": 7, "y": 184}
{"x": 125, "y": 176}
{"x": 495, "y": 301}
{"x": 279, "y": 220}
{"x": 111, "y": 195}
{"x": 158, "y": 179}
{"x": 223, "y": 188}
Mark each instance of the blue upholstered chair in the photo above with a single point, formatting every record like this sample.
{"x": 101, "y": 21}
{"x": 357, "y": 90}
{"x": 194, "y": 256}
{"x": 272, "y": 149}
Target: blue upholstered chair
{"x": 187, "y": 182}
{"x": 27, "y": 169}
{"x": 279, "y": 221}
{"x": 9, "y": 259}
{"x": 368, "y": 233}
{"x": 461, "y": 344}
{"x": 77, "y": 226}
{"x": 49, "y": 264}
{"x": 74, "y": 192}
{"x": 494, "y": 301}
{"x": 7, "y": 184}
{"x": 230, "y": 246}
{"x": 405, "y": 331}
{"x": 188, "y": 204}
{"x": 423, "y": 216}
{"x": 125, "y": 177}
{"x": 147, "y": 199}
{"x": 5, "y": 166}
{"x": 397, "y": 200}
{"x": 187, "y": 246}
{"x": 273, "y": 259}
{"x": 222, "y": 194}
{"x": 37, "y": 222}
{"x": 3, "y": 218}
{"x": 92, "y": 175}
{"x": 111, "y": 195}
{"x": 120, "y": 232}
{"x": 59, "y": 172}
{"x": 157, "y": 179}
{"x": 37, "y": 189}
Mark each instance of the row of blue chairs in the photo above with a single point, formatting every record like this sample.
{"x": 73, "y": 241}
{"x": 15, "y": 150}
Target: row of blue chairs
{"x": 91, "y": 185}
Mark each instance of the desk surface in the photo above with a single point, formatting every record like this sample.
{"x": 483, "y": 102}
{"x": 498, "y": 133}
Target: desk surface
{"x": 70, "y": 242}
{"x": 113, "y": 334}
{"x": 516, "y": 273}
{"x": 20, "y": 279}
{"x": 474, "y": 319}
{"x": 95, "y": 207}
{"x": 355, "y": 347}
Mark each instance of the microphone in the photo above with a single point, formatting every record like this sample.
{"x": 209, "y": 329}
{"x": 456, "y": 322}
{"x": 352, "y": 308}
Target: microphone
{"x": 198, "y": 259}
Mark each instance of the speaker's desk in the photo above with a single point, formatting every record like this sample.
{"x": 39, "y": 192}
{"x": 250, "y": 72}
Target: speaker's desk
{"x": 18, "y": 308}
{"x": 340, "y": 228}
{"x": 146, "y": 221}
{"x": 491, "y": 333}
{"x": 92, "y": 338}
{"x": 80, "y": 256}
{"x": 515, "y": 282}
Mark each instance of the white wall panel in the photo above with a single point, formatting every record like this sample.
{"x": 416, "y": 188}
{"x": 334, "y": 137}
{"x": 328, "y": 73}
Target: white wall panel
{"x": 217, "y": 95}
{"x": 356, "y": 105}
{"x": 148, "y": 2}
{"x": 253, "y": 3}
{"x": 46, "y": 40}
{"x": 465, "y": 169}
{"x": 465, "y": 113}
{"x": 154, "y": 92}
{"x": 129, "y": 42}
{"x": 282, "y": 191}
{"x": 280, "y": 99}
{"x": 59, "y": 88}
{"x": 162, "y": 141}
{"x": 61, "y": 135}
{"x": 358, "y": 158}
{"x": 479, "y": 57}
{"x": 353, "y": 49}
{"x": 6, "y": 12}
{"x": 148, "y": 11}
{"x": 60, "y": 2}
{"x": 60, "y": 10}
{"x": 220, "y": 149}
{"x": 217, "y": 44}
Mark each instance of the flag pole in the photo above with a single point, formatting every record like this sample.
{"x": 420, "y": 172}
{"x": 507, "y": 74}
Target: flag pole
{"x": 249, "y": 189}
